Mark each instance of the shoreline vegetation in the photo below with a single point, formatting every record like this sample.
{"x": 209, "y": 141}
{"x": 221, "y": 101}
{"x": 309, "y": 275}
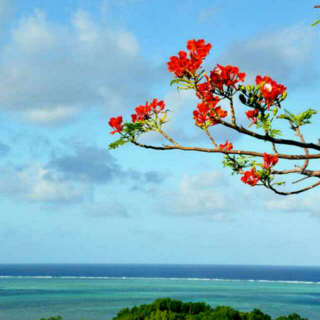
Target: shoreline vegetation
{"x": 171, "y": 309}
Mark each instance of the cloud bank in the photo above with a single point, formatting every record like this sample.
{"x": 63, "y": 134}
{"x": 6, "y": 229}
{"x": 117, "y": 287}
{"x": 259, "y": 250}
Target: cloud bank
{"x": 51, "y": 72}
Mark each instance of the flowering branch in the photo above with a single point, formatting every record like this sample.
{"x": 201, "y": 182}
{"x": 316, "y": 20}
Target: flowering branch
{"x": 263, "y": 100}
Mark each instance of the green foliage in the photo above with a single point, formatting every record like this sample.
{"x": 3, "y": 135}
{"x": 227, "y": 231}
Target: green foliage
{"x": 169, "y": 309}
{"x": 293, "y": 316}
{"x": 118, "y": 143}
{"x": 237, "y": 163}
{"x": 298, "y": 120}
{"x": 275, "y": 132}
{"x": 131, "y": 131}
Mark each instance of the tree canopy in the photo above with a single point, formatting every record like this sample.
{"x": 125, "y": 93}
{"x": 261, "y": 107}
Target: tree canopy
{"x": 170, "y": 309}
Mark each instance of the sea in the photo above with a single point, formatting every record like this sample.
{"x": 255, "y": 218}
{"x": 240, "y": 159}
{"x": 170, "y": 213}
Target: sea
{"x": 100, "y": 291}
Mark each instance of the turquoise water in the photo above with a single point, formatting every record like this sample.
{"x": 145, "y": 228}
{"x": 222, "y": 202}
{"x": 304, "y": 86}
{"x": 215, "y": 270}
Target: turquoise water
{"x": 101, "y": 299}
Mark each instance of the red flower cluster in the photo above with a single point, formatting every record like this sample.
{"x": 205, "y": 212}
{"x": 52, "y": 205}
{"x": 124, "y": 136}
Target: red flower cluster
{"x": 198, "y": 51}
{"x": 116, "y": 123}
{"x": 269, "y": 160}
{"x": 250, "y": 177}
{"x": 269, "y": 89}
{"x": 252, "y": 116}
{"x": 144, "y": 112}
{"x": 226, "y": 146}
{"x": 227, "y": 76}
{"x": 208, "y": 111}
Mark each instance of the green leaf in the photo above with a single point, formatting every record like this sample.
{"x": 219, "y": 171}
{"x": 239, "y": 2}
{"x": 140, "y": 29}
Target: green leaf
{"x": 316, "y": 22}
{"x": 300, "y": 119}
{"x": 117, "y": 144}
{"x": 173, "y": 81}
{"x": 178, "y": 80}
{"x": 287, "y": 116}
{"x": 282, "y": 183}
{"x": 304, "y": 117}
{"x": 275, "y": 132}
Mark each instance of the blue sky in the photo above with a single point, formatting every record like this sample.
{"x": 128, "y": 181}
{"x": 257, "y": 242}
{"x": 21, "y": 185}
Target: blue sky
{"x": 66, "y": 67}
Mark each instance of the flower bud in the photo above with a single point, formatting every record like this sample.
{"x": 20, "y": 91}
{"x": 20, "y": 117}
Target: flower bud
{"x": 251, "y": 100}
{"x": 275, "y": 111}
{"x": 266, "y": 116}
{"x": 242, "y": 99}
{"x": 259, "y": 116}
{"x": 284, "y": 95}
{"x": 248, "y": 88}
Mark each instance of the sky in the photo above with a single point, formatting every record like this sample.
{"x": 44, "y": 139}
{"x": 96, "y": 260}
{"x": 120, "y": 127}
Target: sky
{"x": 67, "y": 66}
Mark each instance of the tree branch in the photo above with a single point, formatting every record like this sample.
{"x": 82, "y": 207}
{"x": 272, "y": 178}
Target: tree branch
{"x": 306, "y": 151}
{"x": 292, "y": 192}
{"x": 236, "y": 152}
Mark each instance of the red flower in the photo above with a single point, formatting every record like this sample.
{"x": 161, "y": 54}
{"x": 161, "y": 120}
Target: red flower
{"x": 226, "y": 146}
{"x": 157, "y": 106}
{"x": 201, "y": 115}
{"x": 252, "y": 116}
{"x": 179, "y": 65}
{"x": 227, "y": 76}
{"x": 142, "y": 113}
{"x": 116, "y": 123}
{"x": 269, "y": 160}
{"x": 204, "y": 91}
{"x": 207, "y": 112}
{"x": 269, "y": 89}
{"x": 250, "y": 177}
{"x": 198, "y": 50}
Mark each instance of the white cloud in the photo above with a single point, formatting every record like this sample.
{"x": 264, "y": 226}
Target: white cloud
{"x": 34, "y": 34}
{"x": 287, "y": 55}
{"x": 50, "y": 72}
{"x": 35, "y": 183}
{"x": 305, "y": 203}
{"x": 207, "y": 194}
{"x": 50, "y": 116}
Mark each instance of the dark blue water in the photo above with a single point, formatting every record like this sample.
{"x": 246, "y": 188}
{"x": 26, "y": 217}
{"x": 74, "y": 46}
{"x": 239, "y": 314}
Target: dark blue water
{"x": 231, "y": 272}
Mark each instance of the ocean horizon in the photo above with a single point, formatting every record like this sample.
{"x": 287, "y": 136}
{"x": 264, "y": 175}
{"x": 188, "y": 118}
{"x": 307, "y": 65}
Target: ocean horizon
{"x": 99, "y": 291}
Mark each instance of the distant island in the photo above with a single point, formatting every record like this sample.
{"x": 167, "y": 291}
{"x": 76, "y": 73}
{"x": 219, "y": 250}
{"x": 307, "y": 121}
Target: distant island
{"x": 170, "y": 309}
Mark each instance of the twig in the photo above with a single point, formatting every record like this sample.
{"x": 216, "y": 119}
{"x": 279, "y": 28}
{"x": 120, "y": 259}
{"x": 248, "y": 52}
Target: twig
{"x": 292, "y": 192}
{"x": 168, "y": 138}
{"x": 306, "y": 151}
{"x": 210, "y": 137}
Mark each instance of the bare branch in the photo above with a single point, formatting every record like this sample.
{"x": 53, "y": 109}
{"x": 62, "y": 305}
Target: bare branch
{"x": 233, "y": 115}
{"x": 210, "y": 137}
{"x": 236, "y": 152}
{"x": 274, "y": 148}
{"x": 293, "y": 192}
{"x": 168, "y": 138}
{"x": 294, "y": 182}
{"x": 309, "y": 173}
{"x": 306, "y": 151}
{"x": 268, "y": 138}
